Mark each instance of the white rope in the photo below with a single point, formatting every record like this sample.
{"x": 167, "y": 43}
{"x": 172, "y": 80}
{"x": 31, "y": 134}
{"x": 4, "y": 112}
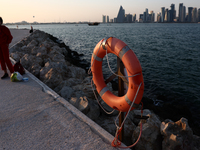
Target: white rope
{"x": 129, "y": 108}
{"x": 116, "y": 121}
{"x": 99, "y": 102}
{"x": 89, "y": 72}
{"x": 115, "y": 73}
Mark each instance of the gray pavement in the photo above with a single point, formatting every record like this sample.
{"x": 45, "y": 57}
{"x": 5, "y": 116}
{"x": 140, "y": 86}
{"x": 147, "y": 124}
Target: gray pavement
{"x": 33, "y": 117}
{"x": 18, "y": 35}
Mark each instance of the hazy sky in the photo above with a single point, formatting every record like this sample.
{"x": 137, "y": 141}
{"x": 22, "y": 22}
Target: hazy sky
{"x": 80, "y": 10}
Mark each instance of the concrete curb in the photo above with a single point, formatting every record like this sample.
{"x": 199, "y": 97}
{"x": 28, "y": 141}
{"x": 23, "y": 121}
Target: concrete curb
{"x": 107, "y": 137}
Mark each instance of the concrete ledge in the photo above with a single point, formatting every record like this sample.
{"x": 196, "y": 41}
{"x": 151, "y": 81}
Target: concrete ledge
{"x": 107, "y": 137}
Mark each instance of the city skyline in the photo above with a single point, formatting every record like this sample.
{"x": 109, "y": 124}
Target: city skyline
{"x": 164, "y": 16}
{"x": 74, "y": 11}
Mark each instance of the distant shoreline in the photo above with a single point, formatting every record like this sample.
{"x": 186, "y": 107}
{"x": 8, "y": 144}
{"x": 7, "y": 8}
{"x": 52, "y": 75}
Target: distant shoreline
{"x": 99, "y": 23}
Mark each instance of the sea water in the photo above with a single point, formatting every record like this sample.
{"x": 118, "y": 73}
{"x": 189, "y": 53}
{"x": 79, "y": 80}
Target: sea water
{"x": 169, "y": 54}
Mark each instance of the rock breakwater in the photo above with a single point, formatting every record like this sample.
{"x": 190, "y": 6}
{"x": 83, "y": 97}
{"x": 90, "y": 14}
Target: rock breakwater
{"x": 64, "y": 71}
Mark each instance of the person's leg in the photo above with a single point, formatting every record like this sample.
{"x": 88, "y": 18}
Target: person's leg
{"x": 3, "y": 66}
{"x": 6, "y": 58}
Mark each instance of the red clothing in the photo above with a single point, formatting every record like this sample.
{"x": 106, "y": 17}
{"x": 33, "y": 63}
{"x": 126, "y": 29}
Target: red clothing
{"x": 5, "y": 40}
{"x": 5, "y": 35}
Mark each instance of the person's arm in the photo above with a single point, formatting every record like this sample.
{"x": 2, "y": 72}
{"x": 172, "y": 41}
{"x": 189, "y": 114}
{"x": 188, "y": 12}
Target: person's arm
{"x": 8, "y": 34}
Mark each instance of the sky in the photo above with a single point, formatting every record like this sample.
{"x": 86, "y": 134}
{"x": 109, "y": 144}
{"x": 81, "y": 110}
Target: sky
{"x": 80, "y": 10}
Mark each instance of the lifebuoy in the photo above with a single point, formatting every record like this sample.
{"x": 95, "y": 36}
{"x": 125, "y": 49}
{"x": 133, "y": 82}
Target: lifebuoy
{"x": 134, "y": 70}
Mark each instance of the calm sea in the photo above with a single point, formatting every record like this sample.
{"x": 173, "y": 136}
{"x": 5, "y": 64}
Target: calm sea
{"x": 169, "y": 55}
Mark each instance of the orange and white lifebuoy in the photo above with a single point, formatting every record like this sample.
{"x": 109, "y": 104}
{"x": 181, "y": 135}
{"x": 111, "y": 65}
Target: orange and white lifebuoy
{"x": 134, "y": 70}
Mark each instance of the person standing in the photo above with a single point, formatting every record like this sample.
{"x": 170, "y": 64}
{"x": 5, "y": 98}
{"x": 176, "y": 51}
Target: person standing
{"x": 5, "y": 40}
{"x": 31, "y": 31}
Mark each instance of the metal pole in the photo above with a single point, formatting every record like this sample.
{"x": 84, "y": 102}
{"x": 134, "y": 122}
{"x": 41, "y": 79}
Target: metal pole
{"x": 120, "y": 68}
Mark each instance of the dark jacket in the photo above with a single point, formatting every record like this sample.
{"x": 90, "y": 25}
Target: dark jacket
{"x": 5, "y": 35}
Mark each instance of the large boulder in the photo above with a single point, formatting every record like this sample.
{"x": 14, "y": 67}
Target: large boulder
{"x": 16, "y": 48}
{"x": 94, "y": 112}
{"x": 48, "y": 44}
{"x": 66, "y": 92}
{"x": 85, "y": 86}
{"x": 196, "y": 142}
{"x": 56, "y": 56}
{"x": 61, "y": 50}
{"x": 151, "y": 138}
{"x": 133, "y": 115}
{"x": 76, "y": 72}
{"x": 177, "y": 135}
{"x": 109, "y": 124}
{"x": 25, "y": 49}
{"x": 26, "y": 61}
{"x": 53, "y": 78}
{"x": 71, "y": 82}
{"x": 80, "y": 103}
{"x": 35, "y": 69}
{"x": 16, "y": 56}
{"x": 32, "y": 44}
{"x": 60, "y": 67}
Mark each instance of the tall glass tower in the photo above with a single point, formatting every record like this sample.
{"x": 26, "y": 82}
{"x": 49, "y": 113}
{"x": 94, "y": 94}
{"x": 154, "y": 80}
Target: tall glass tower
{"x": 121, "y": 15}
{"x": 162, "y": 14}
{"x": 107, "y": 19}
{"x": 144, "y": 16}
{"x": 134, "y": 17}
{"x": 158, "y": 17}
{"x": 166, "y": 15}
{"x": 190, "y": 14}
{"x": 198, "y": 15}
{"x": 183, "y": 14}
{"x": 194, "y": 15}
{"x": 180, "y": 11}
{"x": 103, "y": 19}
{"x": 172, "y": 12}
{"x": 147, "y": 14}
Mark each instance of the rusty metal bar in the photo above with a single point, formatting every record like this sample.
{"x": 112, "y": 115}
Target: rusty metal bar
{"x": 120, "y": 67}
{"x": 110, "y": 78}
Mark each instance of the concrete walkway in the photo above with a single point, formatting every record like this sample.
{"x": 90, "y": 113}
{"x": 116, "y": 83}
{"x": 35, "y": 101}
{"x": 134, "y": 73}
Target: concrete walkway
{"x": 33, "y": 117}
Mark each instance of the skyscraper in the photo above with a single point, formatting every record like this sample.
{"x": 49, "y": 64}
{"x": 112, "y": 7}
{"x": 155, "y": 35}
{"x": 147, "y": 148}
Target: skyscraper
{"x": 141, "y": 18}
{"x": 144, "y": 17}
{"x": 134, "y": 17}
{"x": 172, "y": 13}
{"x": 115, "y": 20}
{"x": 151, "y": 16}
{"x": 158, "y": 17}
{"x": 162, "y": 14}
{"x": 107, "y": 19}
{"x": 147, "y": 14}
{"x": 183, "y": 14}
{"x": 104, "y": 19}
{"x": 190, "y": 14}
{"x": 194, "y": 15}
{"x": 180, "y": 11}
{"x": 121, "y": 15}
{"x": 129, "y": 18}
{"x": 166, "y": 15}
{"x": 198, "y": 15}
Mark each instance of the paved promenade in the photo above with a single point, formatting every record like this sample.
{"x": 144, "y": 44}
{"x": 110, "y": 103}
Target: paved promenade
{"x": 33, "y": 117}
